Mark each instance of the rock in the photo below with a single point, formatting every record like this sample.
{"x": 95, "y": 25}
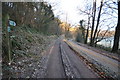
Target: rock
{"x": 28, "y": 77}
{"x": 30, "y": 65}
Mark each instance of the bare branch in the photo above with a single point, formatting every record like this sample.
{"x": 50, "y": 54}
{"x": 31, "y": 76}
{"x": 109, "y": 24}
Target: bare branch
{"x": 103, "y": 37}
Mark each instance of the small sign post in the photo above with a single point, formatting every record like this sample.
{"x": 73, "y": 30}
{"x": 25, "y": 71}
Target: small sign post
{"x": 10, "y": 23}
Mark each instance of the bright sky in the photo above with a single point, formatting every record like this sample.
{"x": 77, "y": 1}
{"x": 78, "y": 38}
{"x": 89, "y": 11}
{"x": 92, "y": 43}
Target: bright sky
{"x": 68, "y": 10}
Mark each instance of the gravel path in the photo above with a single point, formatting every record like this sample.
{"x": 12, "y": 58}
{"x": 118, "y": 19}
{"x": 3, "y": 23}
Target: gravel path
{"x": 105, "y": 63}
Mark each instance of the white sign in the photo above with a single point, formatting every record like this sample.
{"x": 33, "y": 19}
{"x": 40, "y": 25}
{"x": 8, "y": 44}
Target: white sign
{"x": 12, "y": 23}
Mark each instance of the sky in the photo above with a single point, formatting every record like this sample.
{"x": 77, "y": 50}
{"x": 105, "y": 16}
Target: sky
{"x": 68, "y": 10}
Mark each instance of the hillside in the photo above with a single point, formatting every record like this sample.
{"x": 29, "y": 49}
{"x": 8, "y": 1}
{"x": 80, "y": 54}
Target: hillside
{"x": 104, "y": 33}
{"x": 24, "y": 43}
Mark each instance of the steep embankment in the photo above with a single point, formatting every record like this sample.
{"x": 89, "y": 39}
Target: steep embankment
{"x": 27, "y": 45}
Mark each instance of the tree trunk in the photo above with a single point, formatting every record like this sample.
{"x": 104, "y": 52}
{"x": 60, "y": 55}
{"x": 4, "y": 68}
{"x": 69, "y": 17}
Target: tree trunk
{"x": 98, "y": 20}
{"x": 117, "y": 32}
{"x": 86, "y": 38}
{"x": 93, "y": 22}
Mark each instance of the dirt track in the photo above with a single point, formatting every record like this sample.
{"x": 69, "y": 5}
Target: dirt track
{"x": 62, "y": 62}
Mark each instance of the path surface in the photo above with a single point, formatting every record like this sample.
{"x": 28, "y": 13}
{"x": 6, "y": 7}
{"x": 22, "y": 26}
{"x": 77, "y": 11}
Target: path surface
{"x": 55, "y": 67}
{"x": 64, "y": 63}
{"x": 108, "y": 63}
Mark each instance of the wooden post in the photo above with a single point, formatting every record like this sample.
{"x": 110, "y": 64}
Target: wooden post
{"x": 8, "y": 40}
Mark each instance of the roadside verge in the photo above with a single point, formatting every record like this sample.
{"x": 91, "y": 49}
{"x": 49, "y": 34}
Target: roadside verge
{"x": 93, "y": 64}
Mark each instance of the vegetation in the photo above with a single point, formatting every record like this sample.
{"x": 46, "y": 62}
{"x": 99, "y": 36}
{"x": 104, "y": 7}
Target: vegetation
{"x": 28, "y": 28}
{"x": 99, "y": 16}
{"x": 117, "y": 33}
{"x": 33, "y": 20}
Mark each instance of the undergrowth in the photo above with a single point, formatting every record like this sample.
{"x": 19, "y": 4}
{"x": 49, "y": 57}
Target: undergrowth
{"x": 25, "y": 42}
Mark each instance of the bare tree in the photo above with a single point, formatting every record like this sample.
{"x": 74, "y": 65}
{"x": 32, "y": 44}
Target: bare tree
{"x": 93, "y": 22}
{"x": 117, "y": 32}
{"x": 87, "y": 33}
{"x": 87, "y": 12}
{"x": 98, "y": 20}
